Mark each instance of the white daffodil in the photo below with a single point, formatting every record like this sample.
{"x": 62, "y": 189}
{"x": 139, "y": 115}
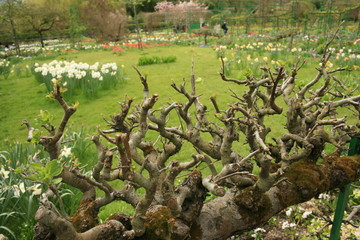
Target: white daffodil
{"x": 4, "y": 173}
{"x": 22, "y": 187}
{"x": 65, "y": 152}
{"x": 259, "y": 230}
{"x": 306, "y": 214}
{"x": 36, "y": 189}
{"x": 18, "y": 189}
{"x": 324, "y": 196}
{"x": 288, "y": 212}
{"x": 286, "y": 225}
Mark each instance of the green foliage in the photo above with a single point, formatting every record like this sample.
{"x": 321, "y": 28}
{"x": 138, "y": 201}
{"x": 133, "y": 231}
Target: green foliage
{"x": 40, "y": 173}
{"x": 76, "y": 30}
{"x": 5, "y": 68}
{"x": 18, "y": 196}
{"x": 45, "y": 117}
{"x": 155, "y": 60}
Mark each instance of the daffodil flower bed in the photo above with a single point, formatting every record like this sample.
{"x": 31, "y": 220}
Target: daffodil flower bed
{"x": 79, "y": 77}
{"x": 4, "y": 68}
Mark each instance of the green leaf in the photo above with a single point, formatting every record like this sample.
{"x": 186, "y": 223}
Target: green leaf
{"x": 45, "y": 116}
{"x": 36, "y": 136}
{"x": 281, "y": 62}
{"x": 76, "y": 104}
{"x": 18, "y": 170}
{"x": 50, "y": 95}
{"x": 56, "y": 181}
{"x": 37, "y": 167}
{"x": 62, "y": 90}
{"x": 34, "y": 177}
{"x": 53, "y": 168}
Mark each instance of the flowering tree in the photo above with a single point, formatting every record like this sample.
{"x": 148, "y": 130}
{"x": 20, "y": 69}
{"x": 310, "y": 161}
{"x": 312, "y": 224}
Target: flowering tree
{"x": 172, "y": 202}
{"x": 182, "y": 13}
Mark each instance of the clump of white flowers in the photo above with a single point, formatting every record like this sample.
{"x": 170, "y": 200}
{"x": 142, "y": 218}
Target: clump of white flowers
{"x": 286, "y": 225}
{"x": 306, "y": 214}
{"x": 74, "y": 76}
{"x": 325, "y": 196}
{"x": 258, "y": 232}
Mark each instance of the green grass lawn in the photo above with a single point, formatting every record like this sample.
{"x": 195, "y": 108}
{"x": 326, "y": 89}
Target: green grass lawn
{"x": 22, "y": 97}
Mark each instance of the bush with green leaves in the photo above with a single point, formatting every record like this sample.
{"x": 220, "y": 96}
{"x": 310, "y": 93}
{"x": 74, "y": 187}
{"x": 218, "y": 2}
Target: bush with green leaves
{"x": 18, "y": 196}
{"x": 155, "y": 60}
{"x": 5, "y": 68}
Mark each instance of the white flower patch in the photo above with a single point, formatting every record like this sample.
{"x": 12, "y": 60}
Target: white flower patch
{"x": 286, "y": 225}
{"x": 324, "y": 196}
{"x": 36, "y": 189}
{"x": 65, "y": 152}
{"x": 78, "y": 76}
{"x": 4, "y": 173}
{"x": 306, "y": 214}
{"x": 95, "y": 74}
{"x": 18, "y": 189}
{"x": 288, "y": 212}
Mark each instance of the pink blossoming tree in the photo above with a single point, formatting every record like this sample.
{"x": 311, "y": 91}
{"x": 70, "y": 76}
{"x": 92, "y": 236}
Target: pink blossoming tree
{"x": 182, "y": 13}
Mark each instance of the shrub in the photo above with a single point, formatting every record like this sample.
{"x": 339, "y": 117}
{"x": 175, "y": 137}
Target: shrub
{"x": 155, "y": 60}
{"x": 5, "y": 68}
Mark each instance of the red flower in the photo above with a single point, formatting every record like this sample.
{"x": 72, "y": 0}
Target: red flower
{"x": 117, "y": 49}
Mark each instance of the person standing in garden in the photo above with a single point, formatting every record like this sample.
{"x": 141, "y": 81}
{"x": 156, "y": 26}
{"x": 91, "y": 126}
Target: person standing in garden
{"x": 224, "y": 27}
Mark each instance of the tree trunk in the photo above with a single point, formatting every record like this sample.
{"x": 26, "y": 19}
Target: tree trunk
{"x": 16, "y": 41}
{"x": 137, "y": 28}
{"x": 236, "y": 212}
{"x": 41, "y": 39}
{"x": 241, "y": 211}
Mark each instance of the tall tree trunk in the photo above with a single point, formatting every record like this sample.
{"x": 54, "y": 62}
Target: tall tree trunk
{"x": 137, "y": 28}
{"x": 16, "y": 41}
{"x": 41, "y": 39}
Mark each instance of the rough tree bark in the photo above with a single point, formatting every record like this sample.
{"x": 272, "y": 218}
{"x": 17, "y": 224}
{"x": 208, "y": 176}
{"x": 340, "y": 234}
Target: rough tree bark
{"x": 289, "y": 168}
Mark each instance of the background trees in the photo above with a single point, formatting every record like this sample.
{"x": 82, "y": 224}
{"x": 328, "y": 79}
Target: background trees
{"x": 182, "y": 13}
{"x": 42, "y": 17}
{"x": 111, "y": 19}
{"x": 104, "y": 19}
{"x": 10, "y": 12}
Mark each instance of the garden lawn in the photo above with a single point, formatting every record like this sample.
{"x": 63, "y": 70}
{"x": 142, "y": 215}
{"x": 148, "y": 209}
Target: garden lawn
{"x": 22, "y": 97}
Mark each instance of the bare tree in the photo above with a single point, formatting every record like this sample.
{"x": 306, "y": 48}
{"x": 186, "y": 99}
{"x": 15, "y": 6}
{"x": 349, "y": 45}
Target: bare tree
{"x": 289, "y": 170}
{"x": 42, "y": 18}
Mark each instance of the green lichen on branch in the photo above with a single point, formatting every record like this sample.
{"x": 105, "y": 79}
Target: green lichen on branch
{"x": 305, "y": 179}
{"x": 309, "y": 179}
{"x": 253, "y": 203}
{"x": 159, "y": 223}
{"x": 86, "y": 216}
